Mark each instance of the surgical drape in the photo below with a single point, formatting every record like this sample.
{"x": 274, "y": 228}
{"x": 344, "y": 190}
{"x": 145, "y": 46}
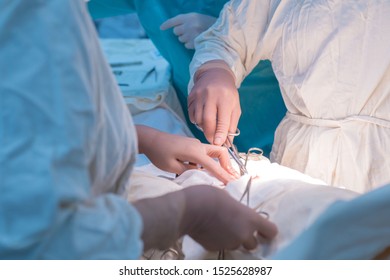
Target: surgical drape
{"x": 348, "y": 230}
{"x": 332, "y": 61}
{"x": 67, "y": 142}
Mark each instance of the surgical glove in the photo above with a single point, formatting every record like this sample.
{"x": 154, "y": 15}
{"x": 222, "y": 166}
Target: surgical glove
{"x": 176, "y": 154}
{"x": 188, "y": 26}
{"x": 209, "y": 215}
{"x": 213, "y": 103}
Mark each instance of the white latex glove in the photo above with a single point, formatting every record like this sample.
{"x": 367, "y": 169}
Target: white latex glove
{"x": 188, "y": 26}
{"x": 213, "y": 103}
{"x": 207, "y": 214}
{"x": 176, "y": 154}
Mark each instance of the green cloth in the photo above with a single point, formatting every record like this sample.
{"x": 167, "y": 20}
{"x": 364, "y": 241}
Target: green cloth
{"x": 261, "y": 102}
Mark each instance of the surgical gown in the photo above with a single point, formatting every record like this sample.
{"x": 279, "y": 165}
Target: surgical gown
{"x": 332, "y": 61}
{"x": 261, "y": 101}
{"x": 67, "y": 143}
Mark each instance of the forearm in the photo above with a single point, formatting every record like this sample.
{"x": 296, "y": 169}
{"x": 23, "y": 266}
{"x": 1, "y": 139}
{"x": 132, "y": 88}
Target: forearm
{"x": 167, "y": 218}
{"x": 147, "y": 136}
{"x": 235, "y": 39}
{"x": 162, "y": 218}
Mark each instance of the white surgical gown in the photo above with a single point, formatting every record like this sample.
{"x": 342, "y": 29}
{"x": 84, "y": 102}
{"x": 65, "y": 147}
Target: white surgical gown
{"x": 67, "y": 143}
{"x": 332, "y": 61}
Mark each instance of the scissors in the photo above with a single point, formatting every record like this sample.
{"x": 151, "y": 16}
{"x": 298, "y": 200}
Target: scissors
{"x": 232, "y": 150}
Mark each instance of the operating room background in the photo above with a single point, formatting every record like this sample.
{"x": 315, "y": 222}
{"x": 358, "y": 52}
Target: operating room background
{"x": 123, "y": 26}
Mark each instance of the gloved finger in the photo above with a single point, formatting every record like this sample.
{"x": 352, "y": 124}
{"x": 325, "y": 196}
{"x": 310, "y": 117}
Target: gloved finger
{"x": 266, "y": 230}
{"x": 215, "y": 168}
{"x": 191, "y": 165}
{"x": 198, "y": 113}
{"x": 234, "y": 119}
{"x": 178, "y": 30}
{"x": 191, "y": 97}
{"x": 183, "y": 38}
{"x": 222, "y": 155}
{"x": 192, "y": 102}
{"x": 177, "y": 167}
{"x": 191, "y": 113}
{"x": 250, "y": 243}
{"x": 190, "y": 45}
{"x": 169, "y": 23}
{"x": 209, "y": 121}
{"x": 223, "y": 125}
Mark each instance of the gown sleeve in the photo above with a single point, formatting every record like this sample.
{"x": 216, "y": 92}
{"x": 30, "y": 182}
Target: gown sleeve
{"x": 237, "y": 37}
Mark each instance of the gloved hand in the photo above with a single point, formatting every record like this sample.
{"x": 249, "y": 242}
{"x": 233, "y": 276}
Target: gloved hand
{"x": 209, "y": 215}
{"x": 188, "y": 26}
{"x": 176, "y": 154}
{"x": 213, "y": 103}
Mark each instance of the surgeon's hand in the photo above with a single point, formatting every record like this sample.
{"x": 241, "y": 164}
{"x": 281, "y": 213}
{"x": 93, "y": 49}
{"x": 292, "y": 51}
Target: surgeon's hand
{"x": 188, "y": 26}
{"x": 213, "y": 103}
{"x": 176, "y": 154}
{"x": 208, "y": 214}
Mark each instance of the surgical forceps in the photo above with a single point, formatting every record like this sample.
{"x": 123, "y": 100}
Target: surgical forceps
{"x": 232, "y": 150}
{"x": 236, "y": 157}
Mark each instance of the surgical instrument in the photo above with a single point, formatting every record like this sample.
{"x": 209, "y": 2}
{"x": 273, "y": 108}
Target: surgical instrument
{"x": 232, "y": 150}
{"x": 123, "y": 64}
{"x": 149, "y": 73}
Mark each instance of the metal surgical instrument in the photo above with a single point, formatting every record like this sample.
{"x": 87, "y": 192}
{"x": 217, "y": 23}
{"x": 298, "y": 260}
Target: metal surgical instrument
{"x": 234, "y": 153}
{"x": 232, "y": 150}
{"x": 149, "y": 73}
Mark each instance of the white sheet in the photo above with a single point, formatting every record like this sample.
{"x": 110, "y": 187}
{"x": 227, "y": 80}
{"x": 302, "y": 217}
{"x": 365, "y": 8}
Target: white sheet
{"x": 291, "y": 199}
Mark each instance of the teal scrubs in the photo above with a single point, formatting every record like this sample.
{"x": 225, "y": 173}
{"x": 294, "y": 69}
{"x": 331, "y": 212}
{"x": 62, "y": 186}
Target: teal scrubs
{"x": 261, "y": 102}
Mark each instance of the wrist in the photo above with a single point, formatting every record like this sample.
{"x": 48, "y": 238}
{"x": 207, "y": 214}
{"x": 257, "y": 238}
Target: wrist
{"x": 147, "y": 136}
{"x": 215, "y": 66}
{"x": 195, "y": 213}
{"x": 161, "y": 218}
